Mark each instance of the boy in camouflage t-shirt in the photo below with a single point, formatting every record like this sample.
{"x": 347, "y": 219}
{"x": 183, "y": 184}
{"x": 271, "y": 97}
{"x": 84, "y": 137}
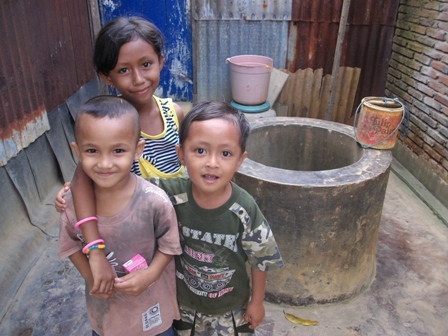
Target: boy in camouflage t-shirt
{"x": 220, "y": 227}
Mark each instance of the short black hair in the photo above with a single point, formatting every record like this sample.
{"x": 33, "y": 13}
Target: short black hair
{"x": 212, "y": 110}
{"x": 109, "y": 107}
{"x": 120, "y": 31}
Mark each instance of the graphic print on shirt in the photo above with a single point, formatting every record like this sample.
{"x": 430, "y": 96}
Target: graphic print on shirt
{"x": 207, "y": 281}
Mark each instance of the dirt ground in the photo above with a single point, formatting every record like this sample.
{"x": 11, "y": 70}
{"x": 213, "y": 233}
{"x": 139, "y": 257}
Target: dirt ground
{"x": 409, "y": 295}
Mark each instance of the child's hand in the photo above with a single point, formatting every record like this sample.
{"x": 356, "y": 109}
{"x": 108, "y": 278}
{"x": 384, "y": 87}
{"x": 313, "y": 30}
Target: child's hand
{"x": 59, "y": 202}
{"x": 134, "y": 283}
{"x": 103, "y": 275}
{"x": 254, "y": 314}
{"x": 99, "y": 296}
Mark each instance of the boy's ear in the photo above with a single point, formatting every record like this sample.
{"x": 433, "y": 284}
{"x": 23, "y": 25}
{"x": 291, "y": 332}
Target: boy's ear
{"x": 139, "y": 150}
{"x": 106, "y": 79}
{"x": 241, "y": 159}
{"x": 180, "y": 154}
{"x": 75, "y": 148}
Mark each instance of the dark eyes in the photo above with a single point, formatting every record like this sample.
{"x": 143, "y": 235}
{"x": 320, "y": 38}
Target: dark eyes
{"x": 94, "y": 151}
{"x": 126, "y": 70}
{"x": 223, "y": 153}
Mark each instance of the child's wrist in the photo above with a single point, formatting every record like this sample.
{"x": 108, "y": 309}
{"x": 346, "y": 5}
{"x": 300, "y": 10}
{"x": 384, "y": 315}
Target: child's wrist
{"x": 257, "y": 301}
{"x": 96, "y": 252}
{"x": 96, "y": 244}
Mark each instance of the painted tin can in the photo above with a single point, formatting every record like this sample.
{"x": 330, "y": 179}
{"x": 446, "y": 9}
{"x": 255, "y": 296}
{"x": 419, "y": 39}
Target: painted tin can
{"x": 378, "y": 122}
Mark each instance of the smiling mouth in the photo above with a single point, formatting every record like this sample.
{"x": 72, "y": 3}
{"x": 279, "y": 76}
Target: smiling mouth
{"x": 104, "y": 174}
{"x": 142, "y": 91}
{"x": 210, "y": 177}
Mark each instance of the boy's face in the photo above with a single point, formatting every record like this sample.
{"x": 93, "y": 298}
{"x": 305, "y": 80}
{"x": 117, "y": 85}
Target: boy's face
{"x": 106, "y": 149}
{"x": 137, "y": 72}
{"x": 212, "y": 155}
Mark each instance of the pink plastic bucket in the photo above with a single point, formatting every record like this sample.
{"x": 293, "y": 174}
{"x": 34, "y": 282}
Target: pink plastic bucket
{"x": 249, "y": 78}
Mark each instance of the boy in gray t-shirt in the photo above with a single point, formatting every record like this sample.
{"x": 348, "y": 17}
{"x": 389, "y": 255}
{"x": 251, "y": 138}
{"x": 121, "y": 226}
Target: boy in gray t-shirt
{"x": 134, "y": 218}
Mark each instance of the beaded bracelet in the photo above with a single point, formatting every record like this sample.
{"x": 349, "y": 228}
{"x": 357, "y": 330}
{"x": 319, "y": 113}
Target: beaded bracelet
{"x": 82, "y": 221}
{"x": 89, "y": 245}
{"x": 96, "y": 246}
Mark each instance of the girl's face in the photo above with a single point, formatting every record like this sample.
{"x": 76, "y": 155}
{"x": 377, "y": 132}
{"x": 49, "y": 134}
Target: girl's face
{"x": 137, "y": 72}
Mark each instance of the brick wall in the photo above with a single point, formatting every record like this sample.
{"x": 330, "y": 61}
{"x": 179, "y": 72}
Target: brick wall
{"x": 418, "y": 75}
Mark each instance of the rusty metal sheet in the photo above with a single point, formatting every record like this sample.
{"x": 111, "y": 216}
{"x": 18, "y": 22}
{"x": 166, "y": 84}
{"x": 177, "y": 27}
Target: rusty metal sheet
{"x": 367, "y": 43}
{"x": 316, "y": 10}
{"x": 312, "y": 45}
{"x": 373, "y": 12}
{"x": 45, "y": 57}
{"x": 21, "y": 133}
{"x": 362, "y": 12}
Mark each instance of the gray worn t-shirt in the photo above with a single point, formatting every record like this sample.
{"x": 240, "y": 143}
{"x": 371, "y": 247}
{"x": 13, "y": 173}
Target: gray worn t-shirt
{"x": 148, "y": 222}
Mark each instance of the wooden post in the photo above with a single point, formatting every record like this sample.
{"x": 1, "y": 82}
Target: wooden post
{"x": 337, "y": 57}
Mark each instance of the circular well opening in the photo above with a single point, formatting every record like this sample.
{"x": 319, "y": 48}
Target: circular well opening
{"x": 302, "y": 148}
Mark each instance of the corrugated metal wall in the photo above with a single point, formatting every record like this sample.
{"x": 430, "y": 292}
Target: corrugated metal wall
{"x": 366, "y": 46}
{"x": 217, "y": 40}
{"x": 226, "y": 28}
{"x": 44, "y": 59}
{"x": 298, "y": 35}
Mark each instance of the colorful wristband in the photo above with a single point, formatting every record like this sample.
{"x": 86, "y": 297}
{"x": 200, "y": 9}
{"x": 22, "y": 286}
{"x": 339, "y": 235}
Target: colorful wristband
{"x": 82, "y": 221}
{"x": 89, "y": 245}
{"x": 94, "y": 247}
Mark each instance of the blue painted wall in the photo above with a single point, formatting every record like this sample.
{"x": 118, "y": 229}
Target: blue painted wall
{"x": 173, "y": 19}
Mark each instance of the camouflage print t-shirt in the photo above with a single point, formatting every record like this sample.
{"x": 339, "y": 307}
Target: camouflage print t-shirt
{"x": 216, "y": 244}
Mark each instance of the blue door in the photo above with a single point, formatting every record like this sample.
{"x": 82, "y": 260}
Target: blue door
{"x": 170, "y": 17}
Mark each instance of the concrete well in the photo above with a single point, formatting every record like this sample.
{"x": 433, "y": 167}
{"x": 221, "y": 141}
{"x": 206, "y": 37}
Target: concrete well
{"x": 323, "y": 195}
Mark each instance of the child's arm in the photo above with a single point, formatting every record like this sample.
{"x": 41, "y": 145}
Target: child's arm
{"x": 84, "y": 201}
{"x": 81, "y": 263}
{"x": 136, "y": 282}
{"x": 255, "y": 309}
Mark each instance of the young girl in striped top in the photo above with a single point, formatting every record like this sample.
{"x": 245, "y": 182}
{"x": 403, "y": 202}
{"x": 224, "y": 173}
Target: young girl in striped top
{"x": 128, "y": 57}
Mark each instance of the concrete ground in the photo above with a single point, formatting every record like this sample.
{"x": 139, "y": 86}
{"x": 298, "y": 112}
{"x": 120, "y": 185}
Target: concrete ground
{"x": 409, "y": 295}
